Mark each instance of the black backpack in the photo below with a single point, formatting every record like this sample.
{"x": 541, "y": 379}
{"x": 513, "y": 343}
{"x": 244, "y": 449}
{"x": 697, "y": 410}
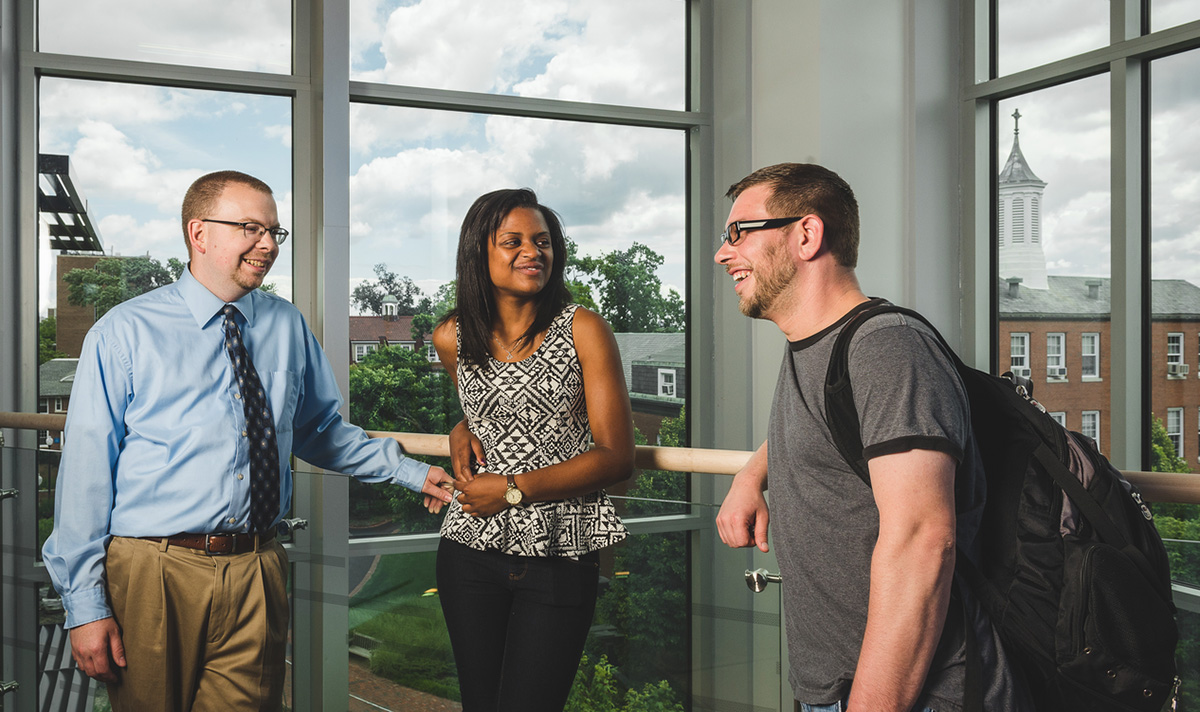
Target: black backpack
{"x": 1072, "y": 571}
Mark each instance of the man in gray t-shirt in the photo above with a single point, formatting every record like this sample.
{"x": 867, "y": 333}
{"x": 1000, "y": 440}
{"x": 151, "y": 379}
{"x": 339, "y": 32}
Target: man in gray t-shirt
{"x": 867, "y": 572}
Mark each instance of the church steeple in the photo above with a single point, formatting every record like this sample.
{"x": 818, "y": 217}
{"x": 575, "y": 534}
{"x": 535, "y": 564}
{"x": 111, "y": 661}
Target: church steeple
{"x": 1016, "y": 169}
{"x": 1019, "y": 217}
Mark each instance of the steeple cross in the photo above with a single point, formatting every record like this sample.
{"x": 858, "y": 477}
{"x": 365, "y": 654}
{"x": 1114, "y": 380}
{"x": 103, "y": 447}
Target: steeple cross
{"x": 1016, "y": 122}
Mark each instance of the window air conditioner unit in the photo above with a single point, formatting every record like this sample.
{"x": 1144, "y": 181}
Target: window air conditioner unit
{"x": 1021, "y": 371}
{"x": 1177, "y": 369}
{"x": 1056, "y": 371}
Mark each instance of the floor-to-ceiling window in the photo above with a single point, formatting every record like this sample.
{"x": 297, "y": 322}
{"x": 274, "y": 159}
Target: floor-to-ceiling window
{"x": 121, "y": 105}
{"x": 1089, "y": 111}
{"x": 577, "y": 101}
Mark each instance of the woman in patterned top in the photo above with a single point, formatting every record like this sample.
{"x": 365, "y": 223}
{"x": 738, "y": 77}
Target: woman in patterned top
{"x": 547, "y": 426}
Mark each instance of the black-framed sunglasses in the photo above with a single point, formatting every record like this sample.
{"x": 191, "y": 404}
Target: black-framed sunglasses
{"x": 733, "y": 233}
{"x": 254, "y": 231}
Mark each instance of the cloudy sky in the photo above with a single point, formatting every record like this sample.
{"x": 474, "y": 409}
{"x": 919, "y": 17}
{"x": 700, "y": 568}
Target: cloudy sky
{"x": 414, "y": 172}
{"x": 1065, "y": 134}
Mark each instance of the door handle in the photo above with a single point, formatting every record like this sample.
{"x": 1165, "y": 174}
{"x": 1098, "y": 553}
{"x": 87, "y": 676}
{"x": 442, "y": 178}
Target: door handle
{"x": 5, "y": 494}
{"x": 6, "y": 687}
{"x": 758, "y": 579}
{"x": 289, "y": 526}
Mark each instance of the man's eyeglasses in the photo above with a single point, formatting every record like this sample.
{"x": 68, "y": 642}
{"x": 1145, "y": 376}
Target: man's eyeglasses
{"x": 254, "y": 231}
{"x": 733, "y": 233}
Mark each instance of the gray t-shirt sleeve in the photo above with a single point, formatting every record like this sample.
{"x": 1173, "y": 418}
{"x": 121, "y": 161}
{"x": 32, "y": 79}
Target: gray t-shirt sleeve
{"x": 906, "y": 390}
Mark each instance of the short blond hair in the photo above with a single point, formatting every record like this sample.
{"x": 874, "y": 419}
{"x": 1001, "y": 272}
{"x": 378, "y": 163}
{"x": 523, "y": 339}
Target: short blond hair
{"x": 201, "y": 198}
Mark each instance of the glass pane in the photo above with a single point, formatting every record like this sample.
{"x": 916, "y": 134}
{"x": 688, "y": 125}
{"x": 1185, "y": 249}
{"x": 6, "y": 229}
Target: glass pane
{"x": 218, "y": 34}
{"x": 1175, "y": 319}
{"x": 1169, "y": 13}
{"x": 1053, "y": 192}
{"x": 629, "y": 52}
{"x": 400, "y": 655}
{"x": 1030, "y": 33}
{"x": 621, "y": 194}
{"x": 126, "y": 154}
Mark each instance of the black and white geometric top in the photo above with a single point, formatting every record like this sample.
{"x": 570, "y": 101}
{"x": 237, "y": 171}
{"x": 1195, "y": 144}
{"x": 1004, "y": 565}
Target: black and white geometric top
{"x": 531, "y": 414}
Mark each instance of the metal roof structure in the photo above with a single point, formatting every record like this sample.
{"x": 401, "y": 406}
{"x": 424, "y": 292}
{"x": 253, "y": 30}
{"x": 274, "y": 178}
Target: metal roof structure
{"x": 64, "y": 208}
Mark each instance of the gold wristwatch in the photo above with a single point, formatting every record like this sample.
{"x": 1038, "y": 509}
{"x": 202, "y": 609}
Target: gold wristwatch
{"x": 512, "y": 495}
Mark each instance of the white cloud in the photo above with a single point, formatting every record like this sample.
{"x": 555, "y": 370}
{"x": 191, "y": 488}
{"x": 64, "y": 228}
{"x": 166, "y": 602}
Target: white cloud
{"x": 578, "y": 51}
{"x": 227, "y": 34}
{"x": 280, "y": 132}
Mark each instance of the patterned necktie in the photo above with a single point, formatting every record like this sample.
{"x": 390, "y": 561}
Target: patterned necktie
{"x": 260, "y": 429}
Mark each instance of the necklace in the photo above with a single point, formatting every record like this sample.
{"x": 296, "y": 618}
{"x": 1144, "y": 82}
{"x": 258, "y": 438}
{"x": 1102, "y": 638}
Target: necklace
{"x": 507, "y": 350}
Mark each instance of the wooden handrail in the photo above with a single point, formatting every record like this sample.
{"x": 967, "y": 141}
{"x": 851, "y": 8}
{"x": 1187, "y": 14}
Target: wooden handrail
{"x": 1155, "y": 486}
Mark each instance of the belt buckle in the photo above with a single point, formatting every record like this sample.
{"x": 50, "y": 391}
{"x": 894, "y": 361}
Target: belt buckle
{"x": 208, "y": 548}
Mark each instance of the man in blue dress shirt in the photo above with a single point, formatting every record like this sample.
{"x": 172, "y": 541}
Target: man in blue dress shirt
{"x": 171, "y": 597}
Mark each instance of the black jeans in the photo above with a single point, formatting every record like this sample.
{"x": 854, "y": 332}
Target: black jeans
{"x": 517, "y": 625}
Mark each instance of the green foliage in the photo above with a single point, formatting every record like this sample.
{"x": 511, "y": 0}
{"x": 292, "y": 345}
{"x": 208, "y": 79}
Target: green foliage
{"x": 444, "y": 299}
{"x": 393, "y": 389}
{"x": 114, "y": 280}
{"x": 596, "y": 689}
{"x": 368, "y": 296}
{"x": 422, "y": 326}
{"x": 630, "y": 291}
{"x": 48, "y": 340}
{"x": 176, "y": 267}
{"x": 414, "y": 648}
{"x": 399, "y": 390}
{"x": 1162, "y": 451}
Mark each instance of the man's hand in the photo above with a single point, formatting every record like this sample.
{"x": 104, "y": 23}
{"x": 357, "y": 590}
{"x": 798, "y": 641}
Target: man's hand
{"x": 436, "y": 494}
{"x": 743, "y": 518}
{"x": 96, "y": 646}
{"x": 465, "y": 451}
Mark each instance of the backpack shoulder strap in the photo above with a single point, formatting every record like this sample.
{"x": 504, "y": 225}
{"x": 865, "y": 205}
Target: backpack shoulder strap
{"x": 840, "y": 413}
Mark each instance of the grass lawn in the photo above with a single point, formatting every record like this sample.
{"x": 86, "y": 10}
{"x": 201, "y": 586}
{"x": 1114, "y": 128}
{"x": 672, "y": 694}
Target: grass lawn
{"x": 396, "y": 577}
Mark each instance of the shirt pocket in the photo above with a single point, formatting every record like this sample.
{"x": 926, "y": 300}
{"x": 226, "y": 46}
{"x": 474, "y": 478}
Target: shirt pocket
{"x": 283, "y": 390}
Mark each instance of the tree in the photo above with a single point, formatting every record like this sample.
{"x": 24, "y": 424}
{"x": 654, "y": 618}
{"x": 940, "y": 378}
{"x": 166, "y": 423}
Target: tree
{"x": 1163, "y": 457}
{"x": 114, "y": 280}
{"x": 445, "y": 299}
{"x": 630, "y": 291}
{"x": 422, "y": 326}
{"x": 368, "y": 296}
{"x": 393, "y": 389}
{"x": 48, "y": 340}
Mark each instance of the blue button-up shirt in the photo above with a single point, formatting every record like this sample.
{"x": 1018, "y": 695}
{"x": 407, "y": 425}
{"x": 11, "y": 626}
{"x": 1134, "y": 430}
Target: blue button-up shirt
{"x": 154, "y": 442}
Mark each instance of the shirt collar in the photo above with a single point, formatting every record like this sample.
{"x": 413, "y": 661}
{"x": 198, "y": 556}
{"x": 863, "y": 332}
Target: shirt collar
{"x": 204, "y": 305}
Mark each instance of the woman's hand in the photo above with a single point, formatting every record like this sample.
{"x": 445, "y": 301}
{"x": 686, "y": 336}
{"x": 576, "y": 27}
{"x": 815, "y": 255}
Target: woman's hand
{"x": 483, "y": 496}
{"x": 466, "y": 452}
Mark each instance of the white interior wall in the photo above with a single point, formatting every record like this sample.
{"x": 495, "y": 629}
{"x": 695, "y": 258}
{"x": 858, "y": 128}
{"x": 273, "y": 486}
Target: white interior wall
{"x": 869, "y": 90}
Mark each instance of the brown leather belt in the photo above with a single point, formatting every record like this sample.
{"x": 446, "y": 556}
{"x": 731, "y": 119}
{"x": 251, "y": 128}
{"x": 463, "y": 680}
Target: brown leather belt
{"x": 216, "y": 544}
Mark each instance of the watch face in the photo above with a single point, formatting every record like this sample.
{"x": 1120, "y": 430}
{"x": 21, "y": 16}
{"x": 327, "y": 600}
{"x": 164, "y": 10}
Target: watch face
{"x": 513, "y": 495}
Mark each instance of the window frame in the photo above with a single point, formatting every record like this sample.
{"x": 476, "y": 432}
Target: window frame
{"x": 1021, "y": 337}
{"x": 1175, "y": 429}
{"x": 1125, "y": 60}
{"x": 666, "y": 381}
{"x": 1056, "y": 360}
{"x": 322, "y": 97}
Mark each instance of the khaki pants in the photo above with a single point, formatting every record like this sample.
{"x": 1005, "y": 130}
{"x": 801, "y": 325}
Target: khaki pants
{"x": 200, "y": 632}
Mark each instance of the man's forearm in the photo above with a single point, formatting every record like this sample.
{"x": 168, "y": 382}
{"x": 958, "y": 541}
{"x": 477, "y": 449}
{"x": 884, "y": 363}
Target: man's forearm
{"x": 910, "y": 591}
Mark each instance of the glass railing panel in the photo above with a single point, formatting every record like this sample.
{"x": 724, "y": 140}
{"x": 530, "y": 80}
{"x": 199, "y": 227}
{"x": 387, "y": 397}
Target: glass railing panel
{"x": 400, "y": 655}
